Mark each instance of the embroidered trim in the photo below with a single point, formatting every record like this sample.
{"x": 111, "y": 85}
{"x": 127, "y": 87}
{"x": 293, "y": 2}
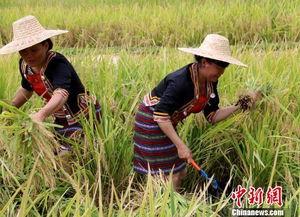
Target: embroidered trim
{"x": 23, "y": 68}
{"x": 151, "y": 100}
{"x": 158, "y": 118}
{"x": 161, "y": 116}
{"x": 83, "y": 101}
{"x": 62, "y": 92}
{"x": 184, "y": 111}
{"x": 161, "y": 113}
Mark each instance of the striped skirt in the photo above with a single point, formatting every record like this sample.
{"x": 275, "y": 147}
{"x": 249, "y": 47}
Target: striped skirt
{"x": 73, "y": 131}
{"x": 152, "y": 148}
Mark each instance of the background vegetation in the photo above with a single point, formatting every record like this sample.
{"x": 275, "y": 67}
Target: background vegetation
{"x": 121, "y": 50}
{"x": 129, "y": 23}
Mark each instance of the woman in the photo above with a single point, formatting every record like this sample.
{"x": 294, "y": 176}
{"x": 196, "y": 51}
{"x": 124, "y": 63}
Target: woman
{"x": 191, "y": 89}
{"x": 51, "y": 76}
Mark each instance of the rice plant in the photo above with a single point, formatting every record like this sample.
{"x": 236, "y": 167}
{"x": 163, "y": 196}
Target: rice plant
{"x": 257, "y": 148}
{"x": 158, "y": 23}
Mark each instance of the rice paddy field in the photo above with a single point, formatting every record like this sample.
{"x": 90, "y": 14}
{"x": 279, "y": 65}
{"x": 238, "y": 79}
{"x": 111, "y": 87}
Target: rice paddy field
{"x": 121, "y": 50}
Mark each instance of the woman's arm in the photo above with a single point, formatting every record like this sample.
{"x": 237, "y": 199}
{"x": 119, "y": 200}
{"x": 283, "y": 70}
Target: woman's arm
{"x": 183, "y": 151}
{"x": 55, "y": 103}
{"x": 223, "y": 113}
{"x": 21, "y": 97}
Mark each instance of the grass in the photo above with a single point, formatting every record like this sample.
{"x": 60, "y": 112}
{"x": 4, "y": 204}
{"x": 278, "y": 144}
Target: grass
{"x": 258, "y": 148}
{"x": 158, "y": 23}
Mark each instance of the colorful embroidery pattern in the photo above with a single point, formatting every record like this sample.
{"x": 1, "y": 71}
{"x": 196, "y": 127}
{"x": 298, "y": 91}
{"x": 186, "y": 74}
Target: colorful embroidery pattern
{"x": 43, "y": 87}
{"x": 193, "y": 106}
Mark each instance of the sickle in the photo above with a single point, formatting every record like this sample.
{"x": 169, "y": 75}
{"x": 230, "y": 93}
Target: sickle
{"x": 201, "y": 171}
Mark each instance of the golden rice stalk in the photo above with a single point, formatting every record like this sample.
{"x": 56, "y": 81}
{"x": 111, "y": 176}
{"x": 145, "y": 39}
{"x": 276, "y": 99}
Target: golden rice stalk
{"x": 22, "y": 140}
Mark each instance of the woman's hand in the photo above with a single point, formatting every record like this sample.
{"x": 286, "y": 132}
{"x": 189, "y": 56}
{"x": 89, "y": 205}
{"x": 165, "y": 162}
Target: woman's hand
{"x": 39, "y": 117}
{"x": 54, "y": 104}
{"x": 184, "y": 153}
{"x": 248, "y": 100}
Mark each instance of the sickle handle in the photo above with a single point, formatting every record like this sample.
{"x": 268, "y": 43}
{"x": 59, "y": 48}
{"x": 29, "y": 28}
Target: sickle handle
{"x": 195, "y": 165}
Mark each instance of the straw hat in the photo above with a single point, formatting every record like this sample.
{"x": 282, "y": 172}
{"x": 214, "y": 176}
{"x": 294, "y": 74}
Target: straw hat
{"x": 27, "y": 32}
{"x": 215, "y": 47}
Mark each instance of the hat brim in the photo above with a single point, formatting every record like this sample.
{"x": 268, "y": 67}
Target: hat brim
{"x": 203, "y": 53}
{"x": 21, "y": 44}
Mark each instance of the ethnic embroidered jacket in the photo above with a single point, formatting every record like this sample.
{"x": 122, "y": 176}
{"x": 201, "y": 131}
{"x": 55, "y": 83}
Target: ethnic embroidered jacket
{"x": 178, "y": 95}
{"x": 58, "y": 75}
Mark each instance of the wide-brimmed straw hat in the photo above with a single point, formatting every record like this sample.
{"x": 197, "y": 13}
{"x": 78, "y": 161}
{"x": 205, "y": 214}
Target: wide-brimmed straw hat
{"x": 215, "y": 47}
{"x": 27, "y": 32}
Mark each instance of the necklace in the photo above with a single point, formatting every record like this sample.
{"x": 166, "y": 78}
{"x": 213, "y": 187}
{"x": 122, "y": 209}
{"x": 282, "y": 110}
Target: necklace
{"x": 212, "y": 95}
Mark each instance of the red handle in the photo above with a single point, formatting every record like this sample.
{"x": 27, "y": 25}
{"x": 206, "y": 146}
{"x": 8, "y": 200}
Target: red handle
{"x": 195, "y": 165}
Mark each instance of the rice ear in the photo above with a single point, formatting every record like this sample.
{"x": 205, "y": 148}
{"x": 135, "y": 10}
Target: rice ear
{"x": 22, "y": 140}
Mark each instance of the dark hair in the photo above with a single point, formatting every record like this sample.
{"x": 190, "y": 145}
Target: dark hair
{"x": 217, "y": 62}
{"x": 50, "y": 43}
{"x": 198, "y": 58}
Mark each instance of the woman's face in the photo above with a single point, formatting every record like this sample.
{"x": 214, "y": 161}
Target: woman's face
{"x": 211, "y": 71}
{"x": 35, "y": 55}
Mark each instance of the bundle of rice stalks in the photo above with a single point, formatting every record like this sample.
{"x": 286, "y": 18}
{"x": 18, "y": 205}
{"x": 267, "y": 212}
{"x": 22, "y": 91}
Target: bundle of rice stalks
{"x": 22, "y": 141}
{"x": 264, "y": 88}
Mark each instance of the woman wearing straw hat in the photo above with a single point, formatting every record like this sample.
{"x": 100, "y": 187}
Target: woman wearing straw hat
{"x": 191, "y": 89}
{"x": 51, "y": 76}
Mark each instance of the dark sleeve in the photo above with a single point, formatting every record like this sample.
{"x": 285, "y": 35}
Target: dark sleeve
{"x": 168, "y": 102}
{"x": 24, "y": 82}
{"x": 60, "y": 73}
{"x": 212, "y": 105}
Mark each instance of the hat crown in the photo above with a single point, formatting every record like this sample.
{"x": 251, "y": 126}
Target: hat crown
{"x": 215, "y": 47}
{"x": 214, "y": 43}
{"x": 26, "y": 27}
